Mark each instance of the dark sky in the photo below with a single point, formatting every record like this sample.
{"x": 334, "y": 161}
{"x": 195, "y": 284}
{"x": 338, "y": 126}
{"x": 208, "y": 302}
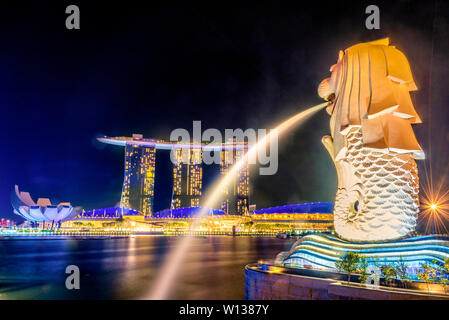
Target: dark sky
{"x": 133, "y": 69}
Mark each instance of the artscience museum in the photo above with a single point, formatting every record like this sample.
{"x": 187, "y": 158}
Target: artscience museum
{"x": 42, "y": 210}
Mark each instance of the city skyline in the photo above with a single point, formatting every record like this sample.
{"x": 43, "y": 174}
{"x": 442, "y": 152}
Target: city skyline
{"x": 165, "y": 68}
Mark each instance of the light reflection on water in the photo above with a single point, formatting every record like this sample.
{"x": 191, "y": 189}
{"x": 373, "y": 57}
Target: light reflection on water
{"x": 125, "y": 268}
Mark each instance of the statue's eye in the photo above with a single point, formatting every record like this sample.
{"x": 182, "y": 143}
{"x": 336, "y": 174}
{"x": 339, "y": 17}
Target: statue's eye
{"x": 356, "y": 205}
{"x": 353, "y": 211}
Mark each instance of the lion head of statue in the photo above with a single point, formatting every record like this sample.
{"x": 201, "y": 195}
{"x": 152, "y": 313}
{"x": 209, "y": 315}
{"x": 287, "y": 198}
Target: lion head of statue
{"x": 369, "y": 87}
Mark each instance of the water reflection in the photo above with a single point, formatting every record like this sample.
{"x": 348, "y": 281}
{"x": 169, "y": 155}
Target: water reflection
{"x": 125, "y": 268}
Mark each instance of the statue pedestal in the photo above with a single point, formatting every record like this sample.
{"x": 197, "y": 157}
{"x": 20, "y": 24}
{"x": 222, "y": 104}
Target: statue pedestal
{"x": 322, "y": 251}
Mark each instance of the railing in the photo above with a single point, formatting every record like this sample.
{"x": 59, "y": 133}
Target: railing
{"x": 58, "y": 233}
{"x": 218, "y": 233}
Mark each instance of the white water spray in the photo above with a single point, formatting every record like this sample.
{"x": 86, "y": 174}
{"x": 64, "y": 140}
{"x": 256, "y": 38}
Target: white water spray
{"x": 169, "y": 269}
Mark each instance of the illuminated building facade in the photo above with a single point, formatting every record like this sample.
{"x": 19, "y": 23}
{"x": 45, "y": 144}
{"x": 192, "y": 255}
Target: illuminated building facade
{"x": 187, "y": 213}
{"x": 138, "y": 183}
{"x": 139, "y": 177}
{"x": 107, "y": 213}
{"x": 187, "y": 178}
{"x": 236, "y": 194}
{"x": 6, "y": 223}
{"x": 299, "y": 217}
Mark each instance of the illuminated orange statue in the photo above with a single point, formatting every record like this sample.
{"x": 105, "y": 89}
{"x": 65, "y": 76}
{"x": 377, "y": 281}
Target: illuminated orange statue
{"x": 373, "y": 144}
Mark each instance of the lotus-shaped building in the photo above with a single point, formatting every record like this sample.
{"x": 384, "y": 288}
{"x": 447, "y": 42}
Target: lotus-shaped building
{"x": 42, "y": 210}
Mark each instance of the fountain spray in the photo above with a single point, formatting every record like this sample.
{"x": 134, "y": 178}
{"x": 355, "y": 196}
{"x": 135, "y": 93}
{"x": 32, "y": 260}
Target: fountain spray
{"x": 168, "y": 271}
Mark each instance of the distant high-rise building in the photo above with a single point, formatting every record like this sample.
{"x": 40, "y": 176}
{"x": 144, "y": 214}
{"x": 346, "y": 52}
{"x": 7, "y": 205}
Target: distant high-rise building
{"x": 138, "y": 184}
{"x": 187, "y": 178}
{"x": 236, "y": 194}
{"x": 140, "y": 162}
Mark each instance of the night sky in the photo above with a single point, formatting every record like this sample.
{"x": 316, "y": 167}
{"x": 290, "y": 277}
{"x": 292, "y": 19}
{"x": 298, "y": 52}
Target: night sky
{"x": 151, "y": 70}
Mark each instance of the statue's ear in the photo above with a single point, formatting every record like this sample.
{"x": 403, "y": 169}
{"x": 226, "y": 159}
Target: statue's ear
{"x": 380, "y": 42}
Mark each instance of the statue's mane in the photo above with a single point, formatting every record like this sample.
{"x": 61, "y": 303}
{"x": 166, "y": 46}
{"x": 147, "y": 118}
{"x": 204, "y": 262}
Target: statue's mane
{"x": 372, "y": 83}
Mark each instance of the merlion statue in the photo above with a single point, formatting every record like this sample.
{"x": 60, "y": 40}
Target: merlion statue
{"x": 372, "y": 142}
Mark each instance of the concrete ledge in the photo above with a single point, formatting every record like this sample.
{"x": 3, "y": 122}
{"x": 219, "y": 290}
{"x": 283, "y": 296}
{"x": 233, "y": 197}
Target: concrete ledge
{"x": 276, "y": 285}
{"x": 350, "y": 292}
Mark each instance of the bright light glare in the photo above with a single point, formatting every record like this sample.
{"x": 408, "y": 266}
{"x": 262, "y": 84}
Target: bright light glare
{"x": 435, "y": 208}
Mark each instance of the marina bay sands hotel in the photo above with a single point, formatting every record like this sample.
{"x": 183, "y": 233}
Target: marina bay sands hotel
{"x": 139, "y": 176}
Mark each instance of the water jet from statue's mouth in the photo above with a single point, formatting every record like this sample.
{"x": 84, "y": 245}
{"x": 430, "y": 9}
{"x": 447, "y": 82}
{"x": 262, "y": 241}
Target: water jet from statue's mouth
{"x": 168, "y": 271}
